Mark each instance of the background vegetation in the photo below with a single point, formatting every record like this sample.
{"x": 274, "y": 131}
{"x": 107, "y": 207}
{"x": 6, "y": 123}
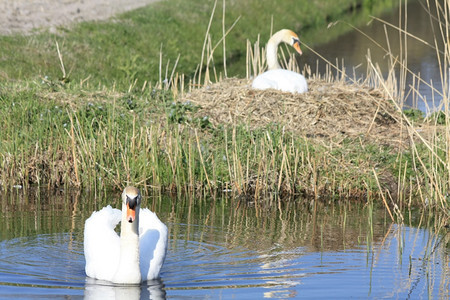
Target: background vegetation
{"x": 118, "y": 52}
{"x": 90, "y": 117}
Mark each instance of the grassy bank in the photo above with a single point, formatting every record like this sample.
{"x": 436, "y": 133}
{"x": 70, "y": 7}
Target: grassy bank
{"x": 127, "y": 49}
{"x": 98, "y": 140}
{"x": 103, "y": 139}
{"x": 91, "y": 119}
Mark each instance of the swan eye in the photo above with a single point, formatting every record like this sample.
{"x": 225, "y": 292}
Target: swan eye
{"x": 295, "y": 41}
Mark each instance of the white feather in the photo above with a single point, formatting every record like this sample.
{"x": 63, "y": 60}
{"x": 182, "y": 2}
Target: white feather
{"x": 152, "y": 244}
{"x": 283, "y": 80}
{"x": 102, "y": 244}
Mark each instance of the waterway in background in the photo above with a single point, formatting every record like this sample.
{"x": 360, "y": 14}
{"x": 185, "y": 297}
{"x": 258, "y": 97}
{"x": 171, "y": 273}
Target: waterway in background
{"x": 351, "y": 51}
{"x": 223, "y": 249}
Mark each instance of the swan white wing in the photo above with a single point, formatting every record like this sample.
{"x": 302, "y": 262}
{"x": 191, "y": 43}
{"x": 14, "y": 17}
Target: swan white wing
{"x": 283, "y": 80}
{"x": 153, "y": 236}
{"x": 102, "y": 243}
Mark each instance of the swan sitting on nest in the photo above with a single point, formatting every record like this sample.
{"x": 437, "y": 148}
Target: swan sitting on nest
{"x": 137, "y": 255}
{"x": 275, "y": 77}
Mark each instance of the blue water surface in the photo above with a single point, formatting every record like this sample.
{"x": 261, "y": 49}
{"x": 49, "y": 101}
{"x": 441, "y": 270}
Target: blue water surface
{"x": 408, "y": 263}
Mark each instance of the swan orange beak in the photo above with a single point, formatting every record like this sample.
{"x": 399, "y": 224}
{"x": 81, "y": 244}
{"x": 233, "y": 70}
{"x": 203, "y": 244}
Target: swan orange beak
{"x": 131, "y": 214}
{"x": 297, "y": 47}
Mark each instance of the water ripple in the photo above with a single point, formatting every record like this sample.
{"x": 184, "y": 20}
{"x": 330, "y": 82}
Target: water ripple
{"x": 52, "y": 265}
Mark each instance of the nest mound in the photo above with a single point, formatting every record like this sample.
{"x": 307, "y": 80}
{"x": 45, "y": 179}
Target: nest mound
{"x": 328, "y": 111}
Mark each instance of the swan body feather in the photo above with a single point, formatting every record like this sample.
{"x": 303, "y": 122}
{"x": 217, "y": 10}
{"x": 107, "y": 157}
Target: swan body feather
{"x": 280, "y": 79}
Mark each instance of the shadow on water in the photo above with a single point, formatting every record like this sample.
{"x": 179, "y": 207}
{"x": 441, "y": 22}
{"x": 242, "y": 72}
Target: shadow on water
{"x": 222, "y": 248}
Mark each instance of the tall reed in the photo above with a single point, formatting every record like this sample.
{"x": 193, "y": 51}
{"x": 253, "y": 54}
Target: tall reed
{"x": 429, "y": 157}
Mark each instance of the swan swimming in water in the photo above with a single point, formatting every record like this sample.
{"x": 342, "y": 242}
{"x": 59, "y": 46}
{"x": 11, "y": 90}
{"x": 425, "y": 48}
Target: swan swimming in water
{"x": 137, "y": 255}
{"x": 275, "y": 77}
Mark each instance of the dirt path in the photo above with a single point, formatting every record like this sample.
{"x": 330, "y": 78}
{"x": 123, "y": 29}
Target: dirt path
{"x": 25, "y": 15}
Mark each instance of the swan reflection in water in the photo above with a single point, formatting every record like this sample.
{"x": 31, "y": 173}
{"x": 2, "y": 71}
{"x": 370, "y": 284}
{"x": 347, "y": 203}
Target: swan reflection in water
{"x": 100, "y": 289}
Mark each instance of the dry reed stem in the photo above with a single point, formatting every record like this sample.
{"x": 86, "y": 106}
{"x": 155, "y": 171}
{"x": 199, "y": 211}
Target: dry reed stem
{"x": 202, "y": 161}
{"x": 74, "y": 157}
{"x": 382, "y": 195}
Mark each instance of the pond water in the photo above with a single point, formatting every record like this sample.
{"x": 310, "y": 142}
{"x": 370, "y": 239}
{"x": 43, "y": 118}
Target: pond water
{"x": 223, "y": 249}
{"x": 351, "y": 50}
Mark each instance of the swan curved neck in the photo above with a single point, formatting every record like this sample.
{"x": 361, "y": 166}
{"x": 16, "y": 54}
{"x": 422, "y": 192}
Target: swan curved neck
{"x": 272, "y": 49}
{"x": 284, "y": 36}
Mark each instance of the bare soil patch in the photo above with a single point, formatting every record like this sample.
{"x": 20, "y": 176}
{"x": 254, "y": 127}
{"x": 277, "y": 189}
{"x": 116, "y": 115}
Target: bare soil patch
{"x": 24, "y": 16}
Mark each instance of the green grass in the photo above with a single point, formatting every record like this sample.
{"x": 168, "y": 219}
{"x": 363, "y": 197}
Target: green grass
{"x": 145, "y": 138}
{"x": 117, "y": 53}
{"x": 58, "y": 135}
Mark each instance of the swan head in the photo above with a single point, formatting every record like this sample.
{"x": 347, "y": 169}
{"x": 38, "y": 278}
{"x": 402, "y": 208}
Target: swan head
{"x": 291, "y": 38}
{"x": 131, "y": 199}
{"x": 283, "y": 36}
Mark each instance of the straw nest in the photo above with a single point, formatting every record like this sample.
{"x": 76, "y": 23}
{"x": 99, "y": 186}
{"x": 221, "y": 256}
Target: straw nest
{"x": 328, "y": 111}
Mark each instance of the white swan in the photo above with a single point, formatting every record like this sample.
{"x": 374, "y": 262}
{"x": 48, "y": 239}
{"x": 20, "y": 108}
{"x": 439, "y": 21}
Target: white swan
{"x": 137, "y": 255}
{"x": 275, "y": 77}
